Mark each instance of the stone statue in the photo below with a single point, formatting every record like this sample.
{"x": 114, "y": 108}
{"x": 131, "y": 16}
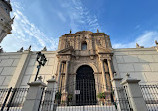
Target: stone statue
{"x": 137, "y": 45}
{"x": 156, "y": 42}
{"x": 70, "y": 31}
{"x": 97, "y": 31}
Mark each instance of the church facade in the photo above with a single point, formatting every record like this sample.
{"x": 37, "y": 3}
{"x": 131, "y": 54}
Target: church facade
{"x": 86, "y": 69}
{"x": 84, "y": 73}
{"x": 77, "y": 56}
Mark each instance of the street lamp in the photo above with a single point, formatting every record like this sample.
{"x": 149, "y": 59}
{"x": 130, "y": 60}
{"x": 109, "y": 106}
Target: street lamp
{"x": 41, "y": 59}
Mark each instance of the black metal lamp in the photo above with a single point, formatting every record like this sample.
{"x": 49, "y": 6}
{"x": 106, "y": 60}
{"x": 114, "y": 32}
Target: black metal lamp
{"x": 41, "y": 59}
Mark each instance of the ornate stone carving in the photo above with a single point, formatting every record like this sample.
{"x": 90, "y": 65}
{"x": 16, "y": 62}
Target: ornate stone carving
{"x": 96, "y": 51}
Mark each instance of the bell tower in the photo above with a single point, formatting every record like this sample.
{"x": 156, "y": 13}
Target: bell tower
{"x": 5, "y": 20}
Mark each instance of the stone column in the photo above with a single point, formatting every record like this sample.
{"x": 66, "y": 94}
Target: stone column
{"x": 66, "y": 75}
{"x": 103, "y": 73}
{"x": 20, "y": 69}
{"x": 64, "y": 92}
{"x": 134, "y": 94}
{"x": 59, "y": 73}
{"x": 33, "y": 98}
{"x": 107, "y": 77}
{"x": 110, "y": 69}
{"x": 107, "y": 82}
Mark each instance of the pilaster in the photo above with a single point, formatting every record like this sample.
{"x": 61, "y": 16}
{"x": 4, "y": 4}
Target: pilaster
{"x": 66, "y": 75}
{"x": 103, "y": 72}
{"x": 20, "y": 69}
{"x": 59, "y": 73}
{"x": 110, "y": 69}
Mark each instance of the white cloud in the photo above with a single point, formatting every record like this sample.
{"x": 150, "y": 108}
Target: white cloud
{"x": 146, "y": 39}
{"x": 80, "y": 17}
{"x": 25, "y": 33}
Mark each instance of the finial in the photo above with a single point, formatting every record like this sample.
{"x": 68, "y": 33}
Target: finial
{"x": 1, "y": 49}
{"x": 70, "y": 31}
{"x": 44, "y": 49}
{"x": 53, "y": 77}
{"x": 29, "y": 48}
{"x": 128, "y": 75}
{"x": 115, "y": 74}
{"x": 12, "y": 20}
{"x": 156, "y": 42}
{"x": 97, "y": 31}
{"x": 40, "y": 78}
{"x": 137, "y": 45}
{"x": 21, "y": 49}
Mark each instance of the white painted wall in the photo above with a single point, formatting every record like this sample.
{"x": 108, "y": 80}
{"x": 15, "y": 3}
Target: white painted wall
{"x": 140, "y": 63}
{"x": 46, "y": 72}
{"x": 10, "y": 61}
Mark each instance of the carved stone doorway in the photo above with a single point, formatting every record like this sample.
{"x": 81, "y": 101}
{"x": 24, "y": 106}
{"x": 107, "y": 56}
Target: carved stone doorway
{"x": 85, "y": 86}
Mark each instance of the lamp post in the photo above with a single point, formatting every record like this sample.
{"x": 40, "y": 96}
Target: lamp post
{"x": 41, "y": 59}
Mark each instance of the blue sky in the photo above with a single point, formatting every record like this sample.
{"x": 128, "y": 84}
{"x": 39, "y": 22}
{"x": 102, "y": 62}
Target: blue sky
{"x": 41, "y": 22}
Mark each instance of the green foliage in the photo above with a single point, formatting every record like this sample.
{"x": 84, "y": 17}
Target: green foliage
{"x": 101, "y": 95}
{"x": 58, "y": 96}
{"x": 70, "y": 96}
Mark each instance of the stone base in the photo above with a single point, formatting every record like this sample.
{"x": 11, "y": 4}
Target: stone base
{"x": 64, "y": 98}
{"x": 87, "y": 108}
{"x": 108, "y": 97}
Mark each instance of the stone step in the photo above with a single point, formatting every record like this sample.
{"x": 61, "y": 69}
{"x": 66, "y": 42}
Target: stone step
{"x": 86, "y": 108}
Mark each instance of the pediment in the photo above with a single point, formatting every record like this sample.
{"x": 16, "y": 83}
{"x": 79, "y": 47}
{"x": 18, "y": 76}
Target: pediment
{"x": 66, "y": 51}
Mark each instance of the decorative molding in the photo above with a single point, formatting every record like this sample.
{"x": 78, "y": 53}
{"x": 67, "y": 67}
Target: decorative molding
{"x": 97, "y": 73}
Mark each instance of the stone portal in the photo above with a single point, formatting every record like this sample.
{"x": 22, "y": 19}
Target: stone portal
{"x": 85, "y": 86}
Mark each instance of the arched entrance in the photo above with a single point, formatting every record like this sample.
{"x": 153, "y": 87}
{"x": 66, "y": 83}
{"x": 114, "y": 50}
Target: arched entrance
{"x": 85, "y": 86}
